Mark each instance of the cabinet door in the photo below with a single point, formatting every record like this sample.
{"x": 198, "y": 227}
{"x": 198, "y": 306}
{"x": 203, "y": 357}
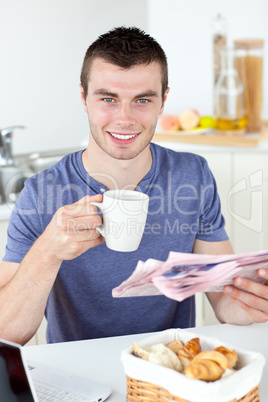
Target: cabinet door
{"x": 248, "y": 200}
{"x": 220, "y": 164}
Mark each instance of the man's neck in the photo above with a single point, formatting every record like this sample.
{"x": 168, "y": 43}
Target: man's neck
{"x": 114, "y": 173}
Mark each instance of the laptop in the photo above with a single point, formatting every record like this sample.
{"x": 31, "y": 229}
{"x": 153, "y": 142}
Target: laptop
{"x": 22, "y": 381}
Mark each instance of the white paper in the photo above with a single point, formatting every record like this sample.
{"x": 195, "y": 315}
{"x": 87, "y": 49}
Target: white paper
{"x": 182, "y": 275}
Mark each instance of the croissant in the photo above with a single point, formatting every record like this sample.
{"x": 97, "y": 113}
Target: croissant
{"x": 206, "y": 370}
{"x": 189, "y": 351}
{"x": 229, "y": 354}
{"x": 175, "y": 346}
{"x": 207, "y": 366}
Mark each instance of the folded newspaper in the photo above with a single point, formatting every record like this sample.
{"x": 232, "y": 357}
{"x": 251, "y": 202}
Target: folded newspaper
{"x": 182, "y": 275}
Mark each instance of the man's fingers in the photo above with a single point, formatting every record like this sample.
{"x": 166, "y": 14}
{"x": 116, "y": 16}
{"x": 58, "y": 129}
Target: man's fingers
{"x": 82, "y": 206}
{"x": 251, "y": 296}
{"x": 85, "y": 202}
{"x": 256, "y": 288}
{"x": 250, "y": 299}
{"x": 83, "y": 223}
{"x": 263, "y": 273}
{"x": 79, "y": 247}
{"x": 90, "y": 234}
{"x": 254, "y": 314}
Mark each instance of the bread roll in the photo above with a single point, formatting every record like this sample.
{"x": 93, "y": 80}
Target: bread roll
{"x": 158, "y": 354}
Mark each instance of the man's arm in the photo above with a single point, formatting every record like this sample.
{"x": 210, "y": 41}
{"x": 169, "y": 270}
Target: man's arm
{"x": 245, "y": 301}
{"x": 25, "y": 287}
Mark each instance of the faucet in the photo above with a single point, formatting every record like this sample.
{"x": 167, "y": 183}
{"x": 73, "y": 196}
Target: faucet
{"x": 6, "y": 154}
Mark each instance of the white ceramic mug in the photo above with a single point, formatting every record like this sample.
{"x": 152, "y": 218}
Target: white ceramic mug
{"x": 124, "y": 218}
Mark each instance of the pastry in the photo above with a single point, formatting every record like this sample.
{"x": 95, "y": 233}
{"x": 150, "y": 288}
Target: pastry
{"x": 158, "y": 354}
{"x": 206, "y": 370}
{"x": 189, "y": 351}
{"x": 175, "y": 346}
{"x": 210, "y": 365}
{"x": 229, "y": 354}
{"x": 207, "y": 366}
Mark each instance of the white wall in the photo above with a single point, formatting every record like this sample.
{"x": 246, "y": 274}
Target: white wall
{"x": 184, "y": 29}
{"x": 42, "y": 45}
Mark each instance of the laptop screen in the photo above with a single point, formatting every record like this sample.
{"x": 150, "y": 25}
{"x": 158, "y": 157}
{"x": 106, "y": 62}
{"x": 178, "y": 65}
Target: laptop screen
{"x": 14, "y": 384}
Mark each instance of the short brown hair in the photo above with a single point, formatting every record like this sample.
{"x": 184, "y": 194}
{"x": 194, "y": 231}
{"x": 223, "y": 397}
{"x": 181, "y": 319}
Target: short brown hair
{"x": 125, "y": 47}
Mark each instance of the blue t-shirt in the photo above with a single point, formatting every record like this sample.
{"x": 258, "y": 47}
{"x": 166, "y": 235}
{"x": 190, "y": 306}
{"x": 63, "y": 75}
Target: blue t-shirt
{"x": 184, "y": 205}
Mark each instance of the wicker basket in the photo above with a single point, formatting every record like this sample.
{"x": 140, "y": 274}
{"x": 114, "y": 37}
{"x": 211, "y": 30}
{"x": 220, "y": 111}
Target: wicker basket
{"x": 140, "y": 391}
{"x": 149, "y": 382}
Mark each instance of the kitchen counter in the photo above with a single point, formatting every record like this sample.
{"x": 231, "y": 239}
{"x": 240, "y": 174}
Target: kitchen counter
{"x": 181, "y": 141}
{"x": 99, "y": 359}
{"x": 5, "y": 211}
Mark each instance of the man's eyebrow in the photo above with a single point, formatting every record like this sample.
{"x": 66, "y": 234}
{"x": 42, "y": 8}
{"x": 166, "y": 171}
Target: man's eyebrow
{"x": 105, "y": 92}
{"x": 147, "y": 94}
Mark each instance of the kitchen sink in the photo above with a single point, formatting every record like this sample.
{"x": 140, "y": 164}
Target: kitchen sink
{"x": 12, "y": 178}
{"x": 43, "y": 162}
{"x": 11, "y": 183}
{"x": 38, "y": 161}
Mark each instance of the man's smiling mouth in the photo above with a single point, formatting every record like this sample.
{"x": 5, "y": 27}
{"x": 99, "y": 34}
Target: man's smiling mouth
{"x": 122, "y": 136}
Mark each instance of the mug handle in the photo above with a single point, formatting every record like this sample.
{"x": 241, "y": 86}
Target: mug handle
{"x": 99, "y": 205}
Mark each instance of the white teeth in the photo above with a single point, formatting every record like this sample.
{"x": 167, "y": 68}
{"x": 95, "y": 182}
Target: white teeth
{"x": 123, "y": 137}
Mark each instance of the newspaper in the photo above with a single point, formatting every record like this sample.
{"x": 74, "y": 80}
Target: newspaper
{"x": 182, "y": 275}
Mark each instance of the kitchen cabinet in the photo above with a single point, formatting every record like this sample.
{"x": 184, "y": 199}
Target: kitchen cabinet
{"x": 249, "y": 205}
{"x": 242, "y": 182}
{"x": 221, "y": 167}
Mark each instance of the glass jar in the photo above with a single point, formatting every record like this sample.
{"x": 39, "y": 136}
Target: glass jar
{"x": 249, "y": 64}
{"x": 229, "y": 97}
{"x": 219, "y": 26}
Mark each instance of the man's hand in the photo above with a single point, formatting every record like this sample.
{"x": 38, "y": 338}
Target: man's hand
{"x": 243, "y": 303}
{"x": 251, "y": 296}
{"x": 72, "y": 231}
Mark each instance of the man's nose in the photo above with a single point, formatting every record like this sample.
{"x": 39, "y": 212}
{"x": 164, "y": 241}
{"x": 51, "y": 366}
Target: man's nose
{"x": 125, "y": 115}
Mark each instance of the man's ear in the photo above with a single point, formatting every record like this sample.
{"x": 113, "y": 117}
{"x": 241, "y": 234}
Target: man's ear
{"x": 164, "y": 100}
{"x": 82, "y": 93}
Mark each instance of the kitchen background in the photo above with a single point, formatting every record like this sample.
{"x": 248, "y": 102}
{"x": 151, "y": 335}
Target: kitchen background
{"x": 42, "y": 45}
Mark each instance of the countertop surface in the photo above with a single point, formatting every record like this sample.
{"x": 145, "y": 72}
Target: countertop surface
{"x": 99, "y": 359}
{"x": 5, "y": 211}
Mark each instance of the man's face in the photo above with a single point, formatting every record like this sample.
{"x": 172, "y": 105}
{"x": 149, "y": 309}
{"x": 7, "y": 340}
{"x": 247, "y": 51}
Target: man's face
{"x": 123, "y": 106}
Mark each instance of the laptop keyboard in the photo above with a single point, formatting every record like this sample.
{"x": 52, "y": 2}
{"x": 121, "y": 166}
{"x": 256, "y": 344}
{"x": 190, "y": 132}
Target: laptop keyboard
{"x": 53, "y": 394}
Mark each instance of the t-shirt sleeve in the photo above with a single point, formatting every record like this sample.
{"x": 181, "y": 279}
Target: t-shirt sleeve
{"x": 25, "y": 224}
{"x": 211, "y": 225}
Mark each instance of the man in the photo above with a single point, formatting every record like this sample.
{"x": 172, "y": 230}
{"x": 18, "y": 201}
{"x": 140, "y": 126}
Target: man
{"x": 56, "y": 261}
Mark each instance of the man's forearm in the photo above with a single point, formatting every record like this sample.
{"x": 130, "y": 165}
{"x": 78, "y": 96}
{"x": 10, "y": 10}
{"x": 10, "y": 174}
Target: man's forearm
{"x": 23, "y": 299}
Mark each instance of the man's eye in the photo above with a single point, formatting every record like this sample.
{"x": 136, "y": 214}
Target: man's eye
{"x": 143, "y": 101}
{"x": 108, "y": 100}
